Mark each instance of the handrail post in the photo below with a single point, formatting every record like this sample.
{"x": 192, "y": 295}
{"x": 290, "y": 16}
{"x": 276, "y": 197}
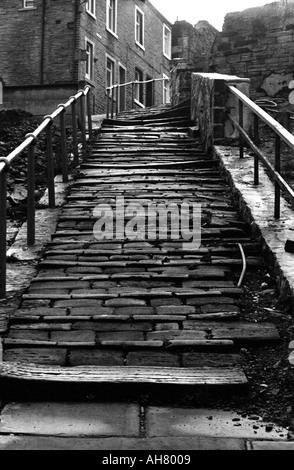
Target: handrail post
{"x": 256, "y": 141}
{"x": 63, "y": 145}
{"x": 3, "y": 231}
{"x": 31, "y": 214}
{"x": 83, "y": 122}
{"x": 241, "y": 141}
{"x": 153, "y": 92}
{"x": 133, "y": 95}
{"x": 278, "y": 169}
{"x": 116, "y": 104}
{"x": 75, "y": 131}
{"x": 112, "y": 102}
{"x": 107, "y": 104}
{"x": 50, "y": 164}
{"x": 90, "y": 126}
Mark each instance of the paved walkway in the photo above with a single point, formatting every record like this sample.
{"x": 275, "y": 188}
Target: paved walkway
{"x": 154, "y": 310}
{"x": 151, "y": 309}
{"x": 123, "y": 426}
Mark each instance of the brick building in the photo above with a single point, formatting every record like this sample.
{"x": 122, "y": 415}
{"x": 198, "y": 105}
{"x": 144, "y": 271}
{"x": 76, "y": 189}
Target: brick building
{"x": 51, "y": 48}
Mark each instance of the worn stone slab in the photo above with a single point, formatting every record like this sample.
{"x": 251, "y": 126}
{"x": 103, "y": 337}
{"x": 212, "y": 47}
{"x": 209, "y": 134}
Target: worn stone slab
{"x": 152, "y": 358}
{"x": 165, "y": 302}
{"x": 97, "y": 357}
{"x": 14, "y": 442}
{"x": 102, "y": 326}
{"x": 134, "y": 311}
{"x": 78, "y": 303}
{"x": 91, "y": 311}
{"x": 181, "y": 422}
{"x": 180, "y": 335}
{"x": 119, "y": 336}
{"x": 272, "y": 445}
{"x": 175, "y": 310}
{"x": 193, "y": 359}
{"x": 199, "y": 301}
{"x": 50, "y": 356}
{"x": 125, "y": 302}
{"x": 29, "y": 335}
{"x": 66, "y": 419}
{"x": 73, "y": 336}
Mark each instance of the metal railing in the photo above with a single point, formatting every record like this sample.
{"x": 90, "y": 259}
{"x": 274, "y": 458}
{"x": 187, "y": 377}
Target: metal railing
{"x": 281, "y": 134}
{"x": 113, "y": 94}
{"x": 80, "y": 106}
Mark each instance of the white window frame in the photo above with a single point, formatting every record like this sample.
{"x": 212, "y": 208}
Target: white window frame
{"x": 90, "y": 76}
{"x": 91, "y": 8}
{"x": 165, "y": 90}
{"x": 28, "y": 5}
{"x": 108, "y": 26}
{"x": 167, "y": 41}
{"x": 109, "y": 57}
{"x": 138, "y": 88}
{"x": 137, "y": 39}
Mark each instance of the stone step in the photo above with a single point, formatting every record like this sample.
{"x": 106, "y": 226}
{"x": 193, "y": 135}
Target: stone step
{"x": 132, "y": 375}
{"x": 147, "y": 311}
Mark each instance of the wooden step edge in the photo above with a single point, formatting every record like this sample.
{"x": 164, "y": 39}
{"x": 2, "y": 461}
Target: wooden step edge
{"x": 111, "y": 374}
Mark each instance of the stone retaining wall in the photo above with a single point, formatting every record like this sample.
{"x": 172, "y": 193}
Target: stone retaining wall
{"x": 258, "y": 43}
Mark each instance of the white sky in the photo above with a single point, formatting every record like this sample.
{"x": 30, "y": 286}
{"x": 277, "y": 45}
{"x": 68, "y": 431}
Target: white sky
{"x": 213, "y": 11}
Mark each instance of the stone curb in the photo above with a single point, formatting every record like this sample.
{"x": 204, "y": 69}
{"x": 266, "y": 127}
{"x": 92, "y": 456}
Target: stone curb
{"x": 257, "y": 206}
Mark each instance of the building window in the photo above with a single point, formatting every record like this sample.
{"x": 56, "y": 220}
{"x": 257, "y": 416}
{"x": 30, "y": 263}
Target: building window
{"x": 91, "y": 7}
{"x": 110, "y": 71}
{"x": 111, "y": 16}
{"x": 139, "y": 87}
{"x": 89, "y": 60}
{"x": 167, "y": 41}
{"x": 28, "y": 4}
{"x": 139, "y": 27}
{"x": 166, "y": 89}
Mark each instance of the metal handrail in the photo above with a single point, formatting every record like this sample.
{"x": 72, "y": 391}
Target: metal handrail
{"x": 281, "y": 134}
{"x": 83, "y": 98}
{"x": 117, "y": 86}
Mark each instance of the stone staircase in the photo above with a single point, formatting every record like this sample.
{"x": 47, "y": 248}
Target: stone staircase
{"x": 147, "y": 311}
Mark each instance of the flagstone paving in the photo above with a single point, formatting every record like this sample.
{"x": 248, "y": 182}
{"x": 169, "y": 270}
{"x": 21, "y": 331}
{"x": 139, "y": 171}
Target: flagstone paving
{"x": 156, "y": 309}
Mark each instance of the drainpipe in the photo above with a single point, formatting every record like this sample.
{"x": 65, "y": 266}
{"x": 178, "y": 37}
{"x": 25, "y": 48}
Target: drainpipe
{"x": 43, "y": 43}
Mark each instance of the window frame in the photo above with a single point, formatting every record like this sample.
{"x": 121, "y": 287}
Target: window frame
{"x": 108, "y": 26}
{"x": 166, "y": 28}
{"x": 165, "y": 90}
{"x": 141, "y": 45}
{"x": 31, "y": 5}
{"x": 114, "y": 62}
{"x": 88, "y": 61}
{"x": 139, "y": 88}
{"x": 91, "y": 12}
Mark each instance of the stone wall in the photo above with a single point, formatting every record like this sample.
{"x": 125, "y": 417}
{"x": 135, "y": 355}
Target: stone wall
{"x": 191, "y": 50}
{"x": 193, "y": 43}
{"x": 38, "y": 100}
{"x": 181, "y": 75}
{"x": 210, "y": 102}
{"x": 258, "y": 43}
